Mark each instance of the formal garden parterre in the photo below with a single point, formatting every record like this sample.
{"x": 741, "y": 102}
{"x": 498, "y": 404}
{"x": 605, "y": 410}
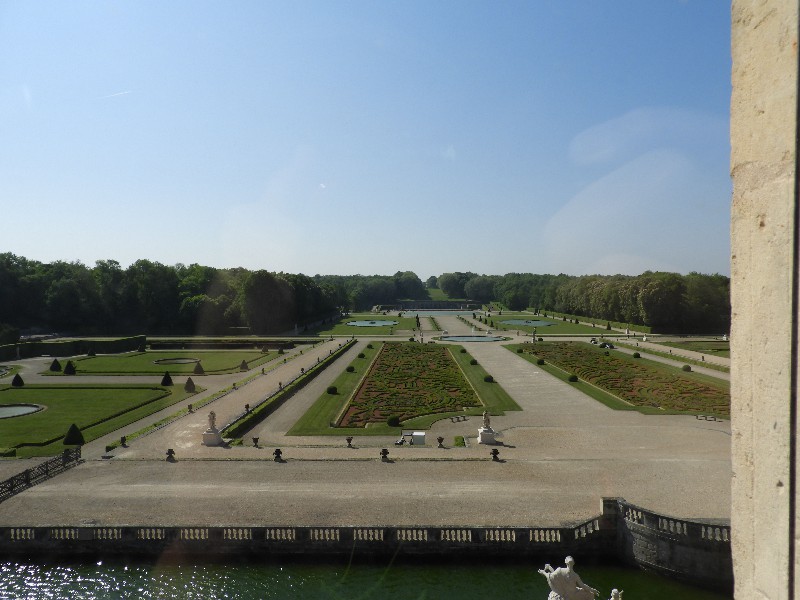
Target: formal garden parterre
{"x": 95, "y": 409}
{"x": 639, "y": 382}
{"x": 174, "y": 361}
{"x": 407, "y": 380}
{"x": 417, "y": 384}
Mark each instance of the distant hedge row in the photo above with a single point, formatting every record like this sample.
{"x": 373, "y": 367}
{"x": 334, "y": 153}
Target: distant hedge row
{"x": 72, "y": 347}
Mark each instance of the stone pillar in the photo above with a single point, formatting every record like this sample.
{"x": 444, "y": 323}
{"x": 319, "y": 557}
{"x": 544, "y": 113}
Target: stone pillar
{"x": 763, "y": 278}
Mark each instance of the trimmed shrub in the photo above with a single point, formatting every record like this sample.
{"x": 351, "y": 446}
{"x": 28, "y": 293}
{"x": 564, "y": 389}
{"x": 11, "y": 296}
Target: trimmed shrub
{"x": 488, "y": 379}
{"x": 189, "y": 386}
{"x": 572, "y": 378}
{"x": 350, "y": 369}
{"x": 411, "y": 339}
{"x": 69, "y": 368}
{"x": 473, "y": 361}
{"x": 17, "y": 381}
{"x": 361, "y": 355}
{"x": 540, "y": 339}
{"x": 74, "y": 436}
{"x": 608, "y": 326}
{"x": 198, "y": 369}
{"x": 686, "y": 368}
{"x": 243, "y": 366}
{"x": 539, "y": 361}
{"x": 393, "y": 421}
{"x": 369, "y": 345}
{"x": 332, "y": 390}
{"x": 91, "y": 352}
{"x": 463, "y": 351}
{"x": 637, "y": 355}
{"x": 55, "y": 365}
{"x": 166, "y": 379}
{"x": 280, "y": 351}
{"x": 519, "y": 350}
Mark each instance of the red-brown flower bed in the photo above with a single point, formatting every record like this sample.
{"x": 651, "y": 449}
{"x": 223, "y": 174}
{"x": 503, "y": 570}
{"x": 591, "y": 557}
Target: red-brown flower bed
{"x": 634, "y": 381}
{"x": 409, "y": 380}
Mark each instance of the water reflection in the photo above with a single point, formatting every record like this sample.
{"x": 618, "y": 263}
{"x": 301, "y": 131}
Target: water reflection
{"x": 332, "y": 581}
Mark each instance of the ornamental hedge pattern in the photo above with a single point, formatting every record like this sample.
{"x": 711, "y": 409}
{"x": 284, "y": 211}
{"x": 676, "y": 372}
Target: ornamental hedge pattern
{"x": 408, "y": 380}
{"x": 635, "y": 382}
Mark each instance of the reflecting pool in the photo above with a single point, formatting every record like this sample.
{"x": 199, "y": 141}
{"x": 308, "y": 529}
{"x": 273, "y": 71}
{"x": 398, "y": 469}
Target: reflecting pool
{"x": 17, "y": 410}
{"x": 307, "y": 580}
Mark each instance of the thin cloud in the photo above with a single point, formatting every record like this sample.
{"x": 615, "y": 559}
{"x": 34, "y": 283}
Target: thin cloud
{"x": 115, "y": 95}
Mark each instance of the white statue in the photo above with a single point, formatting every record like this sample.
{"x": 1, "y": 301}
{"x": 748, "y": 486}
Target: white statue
{"x": 486, "y": 420}
{"x": 616, "y": 594}
{"x": 566, "y": 584}
{"x": 212, "y": 421}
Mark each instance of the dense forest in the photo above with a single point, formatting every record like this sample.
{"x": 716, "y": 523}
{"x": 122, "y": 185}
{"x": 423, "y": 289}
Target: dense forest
{"x": 666, "y": 302}
{"x": 152, "y": 298}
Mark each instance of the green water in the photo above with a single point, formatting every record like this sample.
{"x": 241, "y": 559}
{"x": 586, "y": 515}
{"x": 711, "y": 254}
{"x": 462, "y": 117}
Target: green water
{"x": 335, "y": 581}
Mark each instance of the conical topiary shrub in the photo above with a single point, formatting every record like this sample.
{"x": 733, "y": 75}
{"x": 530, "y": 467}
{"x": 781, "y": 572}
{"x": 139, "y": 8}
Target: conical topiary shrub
{"x": 17, "y": 381}
{"x": 69, "y": 368}
{"x": 189, "y": 386}
{"x": 198, "y": 369}
{"x": 55, "y": 365}
{"x": 243, "y": 366}
{"x": 166, "y": 379}
{"x": 74, "y": 436}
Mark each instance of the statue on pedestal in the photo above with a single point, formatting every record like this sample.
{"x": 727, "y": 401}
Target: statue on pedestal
{"x": 212, "y": 437}
{"x": 566, "y": 584}
{"x": 486, "y": 420}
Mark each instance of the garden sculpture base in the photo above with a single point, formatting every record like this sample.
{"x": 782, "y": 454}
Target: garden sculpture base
{"x": 486, "y": 435}
{"x": 211, "y": 437}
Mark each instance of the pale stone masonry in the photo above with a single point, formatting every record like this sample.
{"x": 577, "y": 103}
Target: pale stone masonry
{"x": 764, "y": 275}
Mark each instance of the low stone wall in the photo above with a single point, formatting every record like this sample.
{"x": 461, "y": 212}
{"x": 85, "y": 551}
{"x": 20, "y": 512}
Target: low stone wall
{"x": 695, "y": 552}
{"x": 585, "y": 540}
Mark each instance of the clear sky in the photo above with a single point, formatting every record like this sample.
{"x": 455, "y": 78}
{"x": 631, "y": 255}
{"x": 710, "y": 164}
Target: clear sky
{"x": 343, "y": 137}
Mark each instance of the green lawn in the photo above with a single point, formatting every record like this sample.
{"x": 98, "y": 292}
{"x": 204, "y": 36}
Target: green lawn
{"x": 328, "y": 408}
{"x": 406, "y": 322}
{"x": 617, "y": 379}
{"x": 95, "y": 409}
{"x": 142, "y": 363}
{"x": 497, "y": 322}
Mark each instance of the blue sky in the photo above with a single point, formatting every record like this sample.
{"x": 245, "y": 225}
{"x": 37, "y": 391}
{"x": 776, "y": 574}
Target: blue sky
{"x": 368, "y": 137}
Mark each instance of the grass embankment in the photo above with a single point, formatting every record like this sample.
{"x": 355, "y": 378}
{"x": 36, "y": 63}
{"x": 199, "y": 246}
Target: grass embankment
{"x": 143, "y": 363}
{"x": 96, "y": 409}
{"x": 542, "y": 325}
{"x": 329, "y": 409}
{"x": 599, "y": 322}
{"x": 625, "y": 383}
{"x": 675, "y": 357}
{"x": 710, "y": 347}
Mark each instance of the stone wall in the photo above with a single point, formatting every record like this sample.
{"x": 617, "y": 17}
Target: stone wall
{"x": 763, "y": 296}
{"x": 691, "y": 551}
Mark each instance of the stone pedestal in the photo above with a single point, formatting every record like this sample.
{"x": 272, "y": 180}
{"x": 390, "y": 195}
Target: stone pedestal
{"x": 211, "y": 437}
{"x": 486, "y": 435}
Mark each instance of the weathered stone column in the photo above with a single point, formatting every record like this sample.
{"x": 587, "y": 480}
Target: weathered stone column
{"x": 763, "y": 283}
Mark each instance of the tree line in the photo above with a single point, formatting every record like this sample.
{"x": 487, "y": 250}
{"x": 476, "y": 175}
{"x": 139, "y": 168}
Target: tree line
{"x": 149, "y": 297}
{"x": 666, "y": 302}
